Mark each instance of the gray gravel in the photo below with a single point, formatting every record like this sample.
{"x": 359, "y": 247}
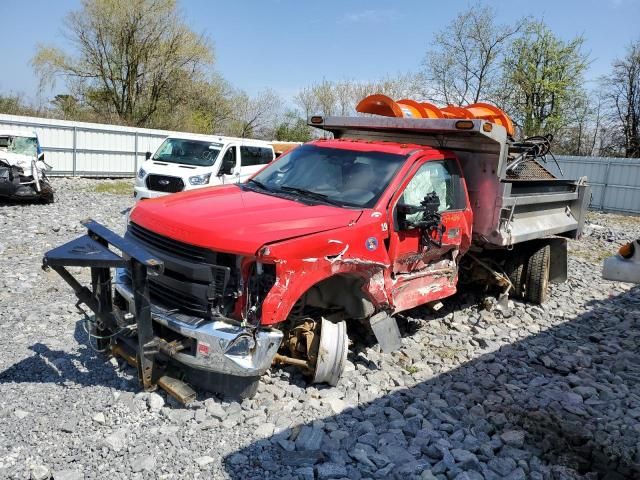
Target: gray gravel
{"x": 543, "y": 393}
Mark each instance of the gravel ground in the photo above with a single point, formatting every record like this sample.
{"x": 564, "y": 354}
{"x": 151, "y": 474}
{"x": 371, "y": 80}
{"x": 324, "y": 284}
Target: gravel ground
{"x": 551, "y": 392}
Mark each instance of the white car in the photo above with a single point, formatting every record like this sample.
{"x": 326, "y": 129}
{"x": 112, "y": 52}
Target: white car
{"x": 192, "y": 161}
{"x": 22, "y": 167}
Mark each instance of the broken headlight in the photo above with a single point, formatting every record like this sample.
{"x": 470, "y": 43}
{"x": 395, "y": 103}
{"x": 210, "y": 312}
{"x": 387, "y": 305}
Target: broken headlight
{"x": 241, "y": 346}
{"x": 200, "y": 179}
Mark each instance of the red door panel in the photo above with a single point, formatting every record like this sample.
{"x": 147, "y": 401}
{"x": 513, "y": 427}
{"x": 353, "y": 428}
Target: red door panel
{"x": 421, "y": 271}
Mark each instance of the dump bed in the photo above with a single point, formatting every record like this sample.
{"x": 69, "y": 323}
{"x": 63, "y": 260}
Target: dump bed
{"x": 510, "y": 205}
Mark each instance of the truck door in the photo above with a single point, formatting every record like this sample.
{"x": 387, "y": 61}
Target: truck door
{"x": 253, "y": 159}
{"x": 425, "y": 258}
{"x": 230, "y": 166}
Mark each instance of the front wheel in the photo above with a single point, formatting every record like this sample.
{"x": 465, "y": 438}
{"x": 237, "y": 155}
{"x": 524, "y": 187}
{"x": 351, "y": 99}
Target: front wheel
{"x": 332, "y": 352}
{"x": 319, "y": 348}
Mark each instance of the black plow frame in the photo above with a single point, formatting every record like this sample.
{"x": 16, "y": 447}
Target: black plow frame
{"x": 93, "y": 250}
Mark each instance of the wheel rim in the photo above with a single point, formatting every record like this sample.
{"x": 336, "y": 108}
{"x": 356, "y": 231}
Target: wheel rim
{"x": 332, "y": 352}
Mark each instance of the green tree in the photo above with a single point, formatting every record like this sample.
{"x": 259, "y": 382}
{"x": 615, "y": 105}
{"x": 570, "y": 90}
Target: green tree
{"x": 131, "y": 59}
{"x": 293, "y": 129}
{"x": 14, "y": 104}
{"x": 543, "y": 77}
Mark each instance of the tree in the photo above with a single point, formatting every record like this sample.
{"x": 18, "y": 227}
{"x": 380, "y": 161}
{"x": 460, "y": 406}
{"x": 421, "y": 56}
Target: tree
{"x": 131, "y": 57}
{"x": 254, "y": 116}
{"x": 306, "y": 100}
{"x": 14, "y": 104}
{"x": 464, "y": 64}
{"x": 543, "y": 77}
{"x": 293, "y": 128}
{"x": 622, "y": 95}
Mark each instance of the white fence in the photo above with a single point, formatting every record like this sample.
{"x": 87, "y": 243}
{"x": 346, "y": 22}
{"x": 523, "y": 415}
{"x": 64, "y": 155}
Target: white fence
{"x": 93, "y": 149}
{"x": 615, "y": 182}
{"x": 90, "y": 149}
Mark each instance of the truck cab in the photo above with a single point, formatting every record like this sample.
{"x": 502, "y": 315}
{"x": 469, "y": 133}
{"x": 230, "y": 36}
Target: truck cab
{"x": 189, "y": 161}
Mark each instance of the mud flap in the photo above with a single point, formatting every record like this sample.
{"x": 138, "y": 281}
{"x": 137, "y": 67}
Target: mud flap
{"x": 385, "y": 328}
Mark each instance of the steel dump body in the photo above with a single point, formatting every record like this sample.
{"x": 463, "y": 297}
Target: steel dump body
{"x": 506, "y": 210}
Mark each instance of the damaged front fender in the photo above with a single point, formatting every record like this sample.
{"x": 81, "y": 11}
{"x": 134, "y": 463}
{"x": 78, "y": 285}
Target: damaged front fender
{"x": 357, "y": 251}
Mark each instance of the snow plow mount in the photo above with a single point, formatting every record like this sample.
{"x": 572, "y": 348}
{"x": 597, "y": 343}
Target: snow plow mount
{"x": 92, "y": 250}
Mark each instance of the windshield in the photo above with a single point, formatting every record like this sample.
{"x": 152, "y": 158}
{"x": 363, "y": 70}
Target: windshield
{"x": 20, "y": 145}
{"x": 188, "y": 152}
{"x": 344, "y": 177}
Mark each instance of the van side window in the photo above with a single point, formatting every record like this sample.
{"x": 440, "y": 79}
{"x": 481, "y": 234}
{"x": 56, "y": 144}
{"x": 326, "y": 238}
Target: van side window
{"x": 255, "y": 156}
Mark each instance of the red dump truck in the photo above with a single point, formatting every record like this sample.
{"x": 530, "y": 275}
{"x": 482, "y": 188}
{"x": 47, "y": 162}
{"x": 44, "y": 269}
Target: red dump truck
{"x": 390, "y": 211}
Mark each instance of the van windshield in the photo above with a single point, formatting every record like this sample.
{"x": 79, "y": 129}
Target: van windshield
{"x": 188, "y": 152}
{"x": 20, "y": 145}
{"x": 338, "y": 176}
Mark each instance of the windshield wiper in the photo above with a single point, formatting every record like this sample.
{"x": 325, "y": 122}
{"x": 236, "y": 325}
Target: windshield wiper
{"x": 308, "y": 193}
{"x": 259, "y": 184}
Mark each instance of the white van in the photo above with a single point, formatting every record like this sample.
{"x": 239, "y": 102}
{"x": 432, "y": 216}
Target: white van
{"x": 191, "y": 161}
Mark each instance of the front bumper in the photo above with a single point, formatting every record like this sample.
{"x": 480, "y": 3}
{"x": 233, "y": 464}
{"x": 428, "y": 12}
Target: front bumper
{"x": 142, "y": 193}
{"x": 167, "y": 347}
{"x": 223, "y": 346}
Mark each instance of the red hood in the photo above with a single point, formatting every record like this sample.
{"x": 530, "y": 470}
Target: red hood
{"x": 234, "y": 220}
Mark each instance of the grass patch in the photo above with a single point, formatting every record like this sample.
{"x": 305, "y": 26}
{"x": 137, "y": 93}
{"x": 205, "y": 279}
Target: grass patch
{"x": 593, "y": 254}
{"x": 120, "y": 187}
{"x": 412, "y": 369}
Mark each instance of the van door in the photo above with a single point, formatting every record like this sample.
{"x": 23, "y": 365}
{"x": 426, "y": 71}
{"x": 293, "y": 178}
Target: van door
{"x": 430, "y": 229}
{"x": 253, "y": 159}
{"x": 230, "y": 166}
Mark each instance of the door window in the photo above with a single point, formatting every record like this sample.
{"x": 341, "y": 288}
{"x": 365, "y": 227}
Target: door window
{"x": 255, "y": 156}
{"x": 441, "y": 177}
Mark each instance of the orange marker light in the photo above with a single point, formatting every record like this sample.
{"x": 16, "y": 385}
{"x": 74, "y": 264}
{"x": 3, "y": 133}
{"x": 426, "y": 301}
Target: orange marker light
{"x": 464, "y": 124}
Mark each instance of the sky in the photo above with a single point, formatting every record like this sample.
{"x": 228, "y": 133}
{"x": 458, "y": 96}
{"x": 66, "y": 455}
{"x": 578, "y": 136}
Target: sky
{"x": 288, "y": 44}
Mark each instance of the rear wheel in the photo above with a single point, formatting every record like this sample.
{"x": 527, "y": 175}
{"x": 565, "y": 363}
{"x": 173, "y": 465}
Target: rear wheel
{"x": 537, "y": 275}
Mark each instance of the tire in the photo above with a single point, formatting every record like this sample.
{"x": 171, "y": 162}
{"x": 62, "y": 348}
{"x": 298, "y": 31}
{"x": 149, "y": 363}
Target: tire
{"x": 537, "y": 275}
{"x": 514, "y": 268}
{"x": 46, "y": 194}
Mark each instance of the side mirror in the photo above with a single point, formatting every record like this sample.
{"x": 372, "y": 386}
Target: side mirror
{"x": 41, "y": 156}
{"x": 147, "y": 155}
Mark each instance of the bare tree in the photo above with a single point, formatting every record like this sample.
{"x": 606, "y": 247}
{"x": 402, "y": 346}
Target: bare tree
{"x": 344, "y": 97}
{"x": 306, "y": 100}
{"x": 466, "y": 57}
{"x": 326, "y": 98}
{"x": 254, "y": 116}
{"x": 131, "y": 57}
{"x": 622, "y": 94}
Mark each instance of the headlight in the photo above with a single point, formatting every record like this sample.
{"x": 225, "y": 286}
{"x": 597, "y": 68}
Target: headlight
{"x": 200, "y": 179}
{"x": 141, "y": 173}
{"x": 241, "y": 346}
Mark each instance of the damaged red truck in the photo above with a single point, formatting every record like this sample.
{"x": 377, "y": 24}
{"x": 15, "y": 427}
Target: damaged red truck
{"x": 215, "y": 285}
